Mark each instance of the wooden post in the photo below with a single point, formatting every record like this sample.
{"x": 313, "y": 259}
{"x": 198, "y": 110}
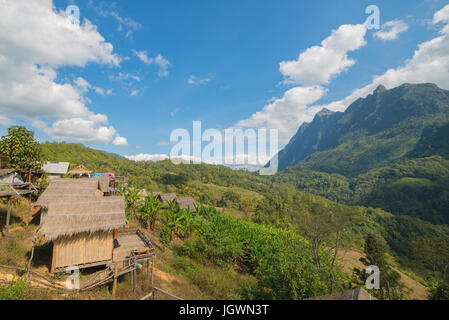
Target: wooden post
{"x": 29, "y": 208}
{"x": 8, "y": 216}
{"x": 152, "y": 273}
{"x": 114, "y": 286}
{"x": 148, "y": 267}
{"x": 29, "y": 198}
{"x": 135, "y": 279}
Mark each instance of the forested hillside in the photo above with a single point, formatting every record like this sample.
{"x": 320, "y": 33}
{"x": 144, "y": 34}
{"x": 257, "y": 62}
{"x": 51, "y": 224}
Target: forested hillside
{"x": 270, "y": 202}
{"x": 387, "y": 151}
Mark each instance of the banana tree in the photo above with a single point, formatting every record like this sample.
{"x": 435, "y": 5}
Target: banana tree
{"x": 149, "y": 210}
{"x": 132, "y": 198}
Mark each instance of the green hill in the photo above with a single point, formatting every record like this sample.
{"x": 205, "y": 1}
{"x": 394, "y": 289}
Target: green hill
{"x": 387, "y": 151}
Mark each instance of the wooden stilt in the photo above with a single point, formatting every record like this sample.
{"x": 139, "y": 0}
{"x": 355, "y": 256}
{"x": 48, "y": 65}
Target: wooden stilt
{"x": 8, "y": 217}
{"x": 148, "y": 267}
{"x": 152, "y": 272}
{"x": 114, "y": 286}
{"x": 29, "y": 209}
{"x": 29, "y": 198}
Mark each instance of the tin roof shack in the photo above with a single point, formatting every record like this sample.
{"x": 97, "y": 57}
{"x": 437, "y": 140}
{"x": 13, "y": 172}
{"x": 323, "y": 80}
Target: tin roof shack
{"x": 7, "y": 177}
{"x": 80, "y": 222}
{"x": 55, "y": 170}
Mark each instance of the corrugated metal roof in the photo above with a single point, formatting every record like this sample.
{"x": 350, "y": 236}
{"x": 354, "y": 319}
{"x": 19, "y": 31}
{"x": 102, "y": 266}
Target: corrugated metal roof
{"x": 56, "y": 167}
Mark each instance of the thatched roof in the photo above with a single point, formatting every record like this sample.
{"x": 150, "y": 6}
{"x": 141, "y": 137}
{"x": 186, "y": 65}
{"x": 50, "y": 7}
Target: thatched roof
{"x": 71, "y": 218}
{"x": 80, "y": 170}
{"x": 356, "y": 294}
{"x": 167, "y": 197}
{"x": 5, "y": 172}
{"x": 103, "y": 184}
{"x": 56, "y": 167}
{"x": 70, "y": 190}
{"x": 186, "y": 203}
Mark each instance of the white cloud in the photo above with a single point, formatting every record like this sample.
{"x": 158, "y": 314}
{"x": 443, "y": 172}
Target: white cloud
{"x": 285, "y": 113}
{"x": 36, "y": 40}
{"x": 318, "y": 64}
{"x": 159, "y": 61}
{"x": 429, "y": 64}
{"x": 194, "y": 80}
{"x": 134, "y": 93}
{"x": 391, "y": 29}
{"x": 107, "y": 9}
{"x": 89, "y": 130}
{"x": 120, "y": 141}
{"x": 125, "y": 76}
{"x": 148, "y": 157}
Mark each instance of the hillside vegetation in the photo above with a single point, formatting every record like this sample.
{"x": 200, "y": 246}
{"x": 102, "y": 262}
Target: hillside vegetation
{"x": 389, "y": 150}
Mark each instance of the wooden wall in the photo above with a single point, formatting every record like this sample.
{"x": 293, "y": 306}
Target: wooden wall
{"x": 82, "y": 249}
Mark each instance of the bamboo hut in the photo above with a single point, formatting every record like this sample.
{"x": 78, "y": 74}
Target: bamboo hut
{"x": 165, "y": 198}
{"x": 80, "y": 171}
{"x": 80, "y": 222}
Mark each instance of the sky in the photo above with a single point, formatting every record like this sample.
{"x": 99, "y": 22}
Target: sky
{"x": 133, "y": 71}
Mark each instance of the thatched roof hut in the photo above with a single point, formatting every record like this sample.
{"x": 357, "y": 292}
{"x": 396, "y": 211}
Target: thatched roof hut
{"x": 80, "y": 222}
{"x": 186, "y": 203}
{"x": 80, "y": 171}
{"x": 66, "y": 219}
{"x": 167, "y": 197}
{"x": 70, "y": 190}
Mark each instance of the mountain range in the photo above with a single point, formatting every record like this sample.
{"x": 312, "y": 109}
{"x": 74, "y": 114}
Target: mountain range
{"x": 388, "y": 150}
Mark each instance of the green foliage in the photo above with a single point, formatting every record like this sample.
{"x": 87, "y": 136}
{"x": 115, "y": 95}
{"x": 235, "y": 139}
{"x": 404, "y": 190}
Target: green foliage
{"x": 12, "y": 251}
{"x": 132, "y": 199}
{"x": 390, "y": 285}
{"x": 16, "y": 291}
{"x": 281, "y": 260}
{"x": 21, "y": 150}
{"x": 149, "y": 209}
{"x": 440, "y": 291}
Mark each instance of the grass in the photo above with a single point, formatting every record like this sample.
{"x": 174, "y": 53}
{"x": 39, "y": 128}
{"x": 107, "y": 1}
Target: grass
{"x": 413, "y": 183}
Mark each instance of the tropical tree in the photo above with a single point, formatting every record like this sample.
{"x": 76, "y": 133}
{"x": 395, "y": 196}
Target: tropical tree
{"x": 175, "y": 219}
{"x": 149, "y": 210}
{"x": 21, "y": 150}
{"x": 132, "y": 198}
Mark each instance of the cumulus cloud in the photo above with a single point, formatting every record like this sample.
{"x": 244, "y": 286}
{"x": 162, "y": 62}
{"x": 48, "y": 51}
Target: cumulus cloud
{"x": 429, "y": 64}
{"x": 315, "y": 67}
{"x": 391, "y": 29}
{"x": 36, "y": 40}
{"x": 285, "y": 113}
{"x": 158, "y": 61}
{"x": 120, "y": 141}
{"x": 318, "y": 64}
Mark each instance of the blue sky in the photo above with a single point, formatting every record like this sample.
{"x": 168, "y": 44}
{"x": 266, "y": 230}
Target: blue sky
{"x": 214, "y": 61}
